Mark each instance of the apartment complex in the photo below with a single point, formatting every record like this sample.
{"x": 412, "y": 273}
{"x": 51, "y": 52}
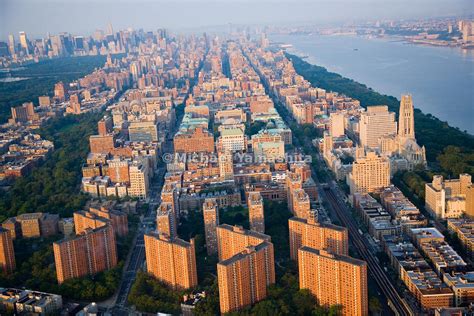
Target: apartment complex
{"x": 244, "y": 278}
{"x": 166, "y": 222}
{"x": 171, "y": 260}
{"x": 245, "y": 268}
{"x": 32, "y": 225}
{"x": 334, "y": 280}
{"x": 369, "y": 174}
{"x": 7, "y": 253}
{"x": 98, "y": 217}
{"x": 310, "y": 233}
{"x": 91, "y": 252}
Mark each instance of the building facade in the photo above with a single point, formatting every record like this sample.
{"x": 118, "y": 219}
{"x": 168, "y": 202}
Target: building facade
{"x": 91, "y": 252}
{"x": 171, "y": 260}
{"x": 210, "y": 212}
{"x": 7, "y": 253}
{"x": 310, "y": 233}
{"x": 334, "y": 280}
{"x": 256, "y": 214}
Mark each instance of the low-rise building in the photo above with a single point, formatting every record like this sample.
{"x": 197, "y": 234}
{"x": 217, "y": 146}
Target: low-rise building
{"x": 447, "y": 198}
{"x": 27, "y": 302}
{"x": 464, "y": 229}
{"x": 462, "y": 285}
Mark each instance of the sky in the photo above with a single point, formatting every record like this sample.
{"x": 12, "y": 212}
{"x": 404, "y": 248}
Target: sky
{"x": 38, "y": 17}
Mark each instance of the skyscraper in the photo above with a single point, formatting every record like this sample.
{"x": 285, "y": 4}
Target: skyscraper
{"x": 11, "y": 44}
{"x": 211, "y": 220}
{"x": 310, "y": 233}
{"x": 24, "y": 43}
{"x": 256, "y": 214}
{"x": 171, "y": 260}
{"x": 7, "y": 253}
{"x": 334, "y": 280}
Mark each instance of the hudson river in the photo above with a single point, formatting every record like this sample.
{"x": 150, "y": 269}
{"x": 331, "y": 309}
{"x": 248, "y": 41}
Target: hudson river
{"x": 441, "y": 79}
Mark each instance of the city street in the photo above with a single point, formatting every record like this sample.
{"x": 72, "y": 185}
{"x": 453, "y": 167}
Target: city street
{"x": 137, "y": 256}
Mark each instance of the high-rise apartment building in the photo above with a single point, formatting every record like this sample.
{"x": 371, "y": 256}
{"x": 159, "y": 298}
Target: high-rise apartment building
{"x": 23, "y": 113}
{"x": 98, "y": 217}
{"x": 244, "y": 278}
{"x": 310, "y": 233}
{"x": 234, "y": 239}
{"x": 336, "y": 127}
{"x": 169, "y": 194}
{"x": 44, "y": 101}
{"x": 92, "y": 251}
{"x": 74, "y": 104}
{"x": 32, "y": 225}
{"x": 7, "y": 253}
{"x": 246, "y": 267}
{"x": 334, "y": 280}
{"x": 369, "y": 174}
{"x": 171, "y": 260}
{"x": 375, "y": 123}
{"x": 105, "y": 125}
{"x": 294, "y": 182}
{"x": 60, "y": 91}
{"x": 210, "y": 212}
{"x": 85, "y": 220}
{"x": 166, "y": 223}
{"x": 301, "y": 205}
{"x": 256, "y": 214}
{"x": 139, "y": 180}
{"x": 226, "y": 165}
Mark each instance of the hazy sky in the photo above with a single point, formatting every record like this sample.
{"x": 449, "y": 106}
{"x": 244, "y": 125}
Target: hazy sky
{"x": 37, "y": 17}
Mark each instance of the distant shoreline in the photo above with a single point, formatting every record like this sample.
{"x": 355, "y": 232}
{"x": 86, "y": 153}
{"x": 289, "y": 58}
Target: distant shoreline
{"x": 435, "y": 134}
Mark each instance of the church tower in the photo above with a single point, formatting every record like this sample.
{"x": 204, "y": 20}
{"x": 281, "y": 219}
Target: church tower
{"x": 406, "y": 120}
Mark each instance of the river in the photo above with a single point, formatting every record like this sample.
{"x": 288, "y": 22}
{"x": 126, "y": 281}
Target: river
{"x": 440, "y": 79}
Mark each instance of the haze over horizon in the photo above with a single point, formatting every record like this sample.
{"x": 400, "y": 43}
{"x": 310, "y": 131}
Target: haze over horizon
{"x": 37, "y": 18}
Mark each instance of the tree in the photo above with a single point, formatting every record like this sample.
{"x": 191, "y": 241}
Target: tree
{"x": 374, "y": 305}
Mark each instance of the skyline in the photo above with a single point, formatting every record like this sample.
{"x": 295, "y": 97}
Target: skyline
{"x": 37, "y": 18}
{"x": 238, "y": 169}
